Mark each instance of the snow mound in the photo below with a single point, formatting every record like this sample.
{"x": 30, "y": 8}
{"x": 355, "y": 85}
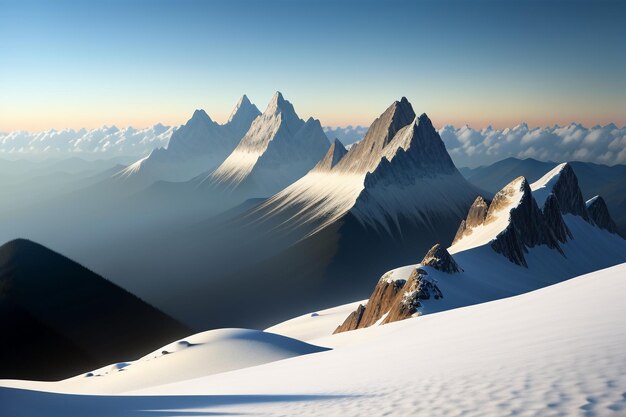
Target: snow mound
{"x": 201, "y": 354}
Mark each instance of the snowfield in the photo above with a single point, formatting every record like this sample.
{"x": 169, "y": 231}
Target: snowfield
{"x": 557, "y": 351}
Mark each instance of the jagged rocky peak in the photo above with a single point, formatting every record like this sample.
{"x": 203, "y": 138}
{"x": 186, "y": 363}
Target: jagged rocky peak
{"x": 599, "y": 213}
{"x": 332, "y": 157}
{"x": 526, "y": 226}
{"x": 418, "y": 287}
{"x": 365, "y": 155}
{"x": 419, "y": 147}
{"x": 554, "y": 220}
{"x": 563, "y": 183}
{"x": 439, "y": 258}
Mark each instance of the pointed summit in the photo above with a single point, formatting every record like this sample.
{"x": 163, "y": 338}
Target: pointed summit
{"x": 200, "y": 116}
{"x": 563, "y": 183}
{"x": 242, "y": 116}
{"x": 599, "y": 213}
{"x": 365, "y": 155}
{"x": 332, "y": 157}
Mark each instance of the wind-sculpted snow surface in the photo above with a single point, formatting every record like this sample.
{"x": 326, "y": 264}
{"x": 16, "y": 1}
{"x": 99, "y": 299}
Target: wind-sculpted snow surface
{"x": 198, "y": 355}
{"x": 541, "y": 353}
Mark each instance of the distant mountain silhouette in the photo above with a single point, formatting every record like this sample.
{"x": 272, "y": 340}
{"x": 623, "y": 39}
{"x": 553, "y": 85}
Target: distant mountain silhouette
{"x": 58, "y": 318}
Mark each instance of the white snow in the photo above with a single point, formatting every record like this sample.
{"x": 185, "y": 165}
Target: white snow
{"x": 557, "y": 351}
{"x": 495, "y": 223}
{"x": 591, "y": 200}
{"x": 315, "y": 325}
{"x": 202, "y": 354}
{"x": 543, "y": 186}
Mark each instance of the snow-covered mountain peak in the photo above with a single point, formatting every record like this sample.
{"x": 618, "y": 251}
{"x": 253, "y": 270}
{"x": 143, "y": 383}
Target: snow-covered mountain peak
{"x": 200, "y": 116}
{"x": 242, "y": 108}
{"x": 599, "y": 213}
{"x": 241, "y": 117}
{"x": 276, "y": 140}
{"x": 563, "y": 183}
{"x": 365, "y": 155}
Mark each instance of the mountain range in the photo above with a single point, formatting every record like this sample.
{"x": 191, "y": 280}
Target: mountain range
{"x": 594, "y": 179}
{"x": 528, "y": 236}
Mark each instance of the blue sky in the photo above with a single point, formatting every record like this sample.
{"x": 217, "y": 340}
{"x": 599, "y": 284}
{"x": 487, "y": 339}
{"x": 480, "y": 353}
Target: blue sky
{"x": 87, "y": 63}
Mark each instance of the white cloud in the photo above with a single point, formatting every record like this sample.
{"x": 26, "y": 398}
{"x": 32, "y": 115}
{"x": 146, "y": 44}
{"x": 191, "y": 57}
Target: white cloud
{"x": 599, "y": 144}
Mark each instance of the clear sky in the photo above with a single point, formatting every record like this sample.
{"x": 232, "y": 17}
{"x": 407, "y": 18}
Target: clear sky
{"x": 88, "y": 63}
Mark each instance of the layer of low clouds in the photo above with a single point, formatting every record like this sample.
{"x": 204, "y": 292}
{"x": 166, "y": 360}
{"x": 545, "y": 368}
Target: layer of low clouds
{"x": 467, "y": 146}
{"x": 346, "y": 135}
{"x": 102, "y": 142}
{"x": 599, "y": 144}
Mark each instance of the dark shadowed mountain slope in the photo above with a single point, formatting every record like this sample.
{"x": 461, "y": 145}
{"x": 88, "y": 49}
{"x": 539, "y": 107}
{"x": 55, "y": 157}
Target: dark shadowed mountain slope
{"x": 58, "y": 318}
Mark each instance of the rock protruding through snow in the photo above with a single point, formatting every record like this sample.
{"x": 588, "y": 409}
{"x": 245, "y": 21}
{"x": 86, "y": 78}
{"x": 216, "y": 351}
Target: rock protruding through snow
{"x": 599, "y": 213}
{"x": 439, "y": 258}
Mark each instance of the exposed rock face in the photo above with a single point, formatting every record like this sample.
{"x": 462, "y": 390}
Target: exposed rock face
{"x": 475, "y": 217}
{"x": 527, "y": 226}
{"x": 563, "y": 183}
{"x": 552, "y": 214}
{"x": 418, "y": 287}
{"x": 599, "y": 213}
{"x": 439, "y": 258}
{"x": 568, "y": 193}
{"x": 379, "y": 303}
{"x": 353, "y": 321}
{"x": 397, "y": 299}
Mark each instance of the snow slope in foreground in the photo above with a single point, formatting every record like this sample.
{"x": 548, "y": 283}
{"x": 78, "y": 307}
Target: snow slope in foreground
{"x": 201, "y": 354}
{"x": 557, "y": 351}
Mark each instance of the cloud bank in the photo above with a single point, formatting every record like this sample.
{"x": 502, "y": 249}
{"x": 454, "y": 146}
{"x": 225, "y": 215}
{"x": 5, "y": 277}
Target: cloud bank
{"x": 575, "y": 142}
{"x": 467, "y": 146}
{"x": 100, "y": 142}
{"x": 346, "y": 135}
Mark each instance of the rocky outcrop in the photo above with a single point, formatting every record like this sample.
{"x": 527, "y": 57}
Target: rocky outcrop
{"x": 599, "y": 213}
{"x": 475, "y": 217}
{"x": 394, "y": 300}
{"x": 554, "y": 220}
{"x": 353, "y": 321}
{"x": 379, "y": 303}
{"x": 439, "y": 258}
{"x": 417, "y": 288}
